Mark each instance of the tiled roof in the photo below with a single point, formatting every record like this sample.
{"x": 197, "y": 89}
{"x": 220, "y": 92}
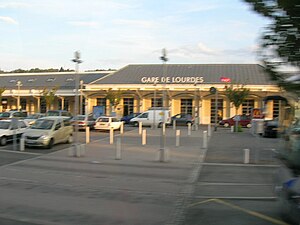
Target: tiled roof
{"x": 211, "y": 73}
{"x": 47, "y": 80}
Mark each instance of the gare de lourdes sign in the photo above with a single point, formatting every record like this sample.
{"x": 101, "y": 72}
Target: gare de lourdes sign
{"x": 175, "y": 80}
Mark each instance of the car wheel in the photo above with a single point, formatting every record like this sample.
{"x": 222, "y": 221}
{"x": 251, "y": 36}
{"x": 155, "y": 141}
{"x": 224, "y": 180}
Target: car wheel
{"x": 226, "y": 124}
{"x": 159, "y": 125}
{"x": 187, "y": 123}
{"x": 249, "y": 125}
{"x": 3, "y": 140}
{"x": 50, "y": 144}
{"x": 70, "y": 139}
{"x": 136, "y": 124}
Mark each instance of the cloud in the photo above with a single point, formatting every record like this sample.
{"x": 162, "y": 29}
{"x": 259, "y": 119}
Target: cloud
{"x": 194, "y": 51}
{"x": 83, "y": 23}
{"x": 139, "y": 23}
{"x": 9, "y": 20}
{"x": 13, "y": 5}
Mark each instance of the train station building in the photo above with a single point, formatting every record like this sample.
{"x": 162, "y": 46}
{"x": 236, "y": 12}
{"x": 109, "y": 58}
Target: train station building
{"x": 183, "y": 88}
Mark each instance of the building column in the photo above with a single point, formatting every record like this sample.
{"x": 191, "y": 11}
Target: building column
{"x": 38, "y": 98}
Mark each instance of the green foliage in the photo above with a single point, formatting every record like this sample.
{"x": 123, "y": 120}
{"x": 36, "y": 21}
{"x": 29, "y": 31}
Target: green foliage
{"x": 280, "y": 41}
{"x": 49, "y": 96}
{"x": 238, "y": 128}
{"x": 237, "y": 95}
{"x": 114, "y": 97}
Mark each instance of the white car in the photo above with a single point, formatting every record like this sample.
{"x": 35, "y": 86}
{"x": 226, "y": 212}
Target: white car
{"x": 106, "y": 122}
{"x": 11, "y": 128}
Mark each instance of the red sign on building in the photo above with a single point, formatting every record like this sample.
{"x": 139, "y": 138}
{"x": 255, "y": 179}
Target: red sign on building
{"x": 225, "y": 79}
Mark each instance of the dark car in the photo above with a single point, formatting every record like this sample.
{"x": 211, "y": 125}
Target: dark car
{"x": 127, "y": 118}
{"x": 83, "y": 121}
{"x": 289, "y": 200}
{"x": 243, "y": 120}
{"x": 182, "y": 119}
{"x": 270, "y": 128}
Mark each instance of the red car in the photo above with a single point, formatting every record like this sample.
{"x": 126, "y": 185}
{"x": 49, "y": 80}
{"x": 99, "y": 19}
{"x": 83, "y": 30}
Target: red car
{"x": 243, "y": 120}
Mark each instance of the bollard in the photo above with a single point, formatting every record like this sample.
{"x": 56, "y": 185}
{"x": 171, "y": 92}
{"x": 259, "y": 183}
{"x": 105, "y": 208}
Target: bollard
{"x": 118, "y": 149}
{"x": 174, "y": 124}
{"x": 209, "y": 130}
{"x": 246, "y": 156}
{"x": 204, "y": 144}
{"x": 122, "y": 128}
{"x": 140, "y": 128}
{"x": 163, "y": 155}
{"x": 189, "y": 129}
{"x": 78, "y": 150}
{"x": 87, "y": 135}
{"x": 22, "y": 144}
{"x": 144, "y": 137}
{"x": 111, "y": 135}
{"x": 177, "y": 138}
{"x": 232, "y": 129}
{"x": 164, "y": 128}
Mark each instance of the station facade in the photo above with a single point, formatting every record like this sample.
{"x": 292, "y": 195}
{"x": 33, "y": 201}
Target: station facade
{"x": 183, "y": 88}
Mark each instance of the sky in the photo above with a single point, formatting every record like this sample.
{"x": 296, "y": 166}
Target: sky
{"x": 111, "y": 34}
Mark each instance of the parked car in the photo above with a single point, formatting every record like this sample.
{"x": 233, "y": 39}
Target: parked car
{"x": 59, "y": 113}
{"x": 13, "y": 114}
{"x": 243, "y": 120}
{"x": 83, "y": 121}
{"x": 106, "y": 122}
{"x": 182, "y": 119}
{"x": 47, "y": 131}
{"x": 9, "y": 128}
{"x": 289, "y": 200}
{"x": 271, "y": 128}
{"x": 126, "y": 119}
{"x": 154, "y": 116}
{"x": 32, "y": 118}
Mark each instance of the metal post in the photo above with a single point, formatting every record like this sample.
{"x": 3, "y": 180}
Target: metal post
{"x": 209, "y": 130}
{"x": 189, "y": 129}
{"x": 77, "y": 61}
{"x": 246, "y": 156}
{"x": 164, "y": 128}
{"x": 144, "y": 137}
{"x": 111, "y": 135}
{"x": 22, "y": 144}
{"x": 122, "y": 128}
{"x": 174, "y": 124}
{"x": 177, "y": 138}
{"x": 80, "y": 102}
{"x": 87, "y": 134}
{"x": 118, "y": 149}
{"x": 140, "y": 128}
{"x": 216, "y": 109}
{"x": 204, "y": 144}
{"x": 19, "y": 84}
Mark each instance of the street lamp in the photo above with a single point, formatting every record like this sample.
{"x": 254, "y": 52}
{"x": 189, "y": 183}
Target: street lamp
{"x": 19, "y": 84}
{"x": 81, "y": 97}
{"x": 164, "y": 60}
{"x": 77, "y": 61}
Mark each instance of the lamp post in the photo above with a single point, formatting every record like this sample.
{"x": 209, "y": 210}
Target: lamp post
{"x": 154, "y": 124}
{"x": 77, "y": 61}
{"x": 164, "y": 60}
{"x": 19, "y": 84}
{"x": 80, "y": 102}
{"x": 196, "y": 108}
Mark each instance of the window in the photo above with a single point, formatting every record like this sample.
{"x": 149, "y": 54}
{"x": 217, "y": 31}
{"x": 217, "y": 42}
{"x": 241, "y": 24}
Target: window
{"x": 101, "y": 101}
{"x": 156, "y": 102}
{"x": 186, "y": 106}
{"x": 144, "y": 115}
{"x": 276, "y": 108}
{"x": 247, "y": 106}
{"x": 31, "y": 80}
{"x": 57, "y": 126}
{"x": 213, "y": 111}
{"x": 127, "y": 106}
{"x": 70, "y": 79}
{"x": 50, "y": 79}
{"x": 22, "y": 124}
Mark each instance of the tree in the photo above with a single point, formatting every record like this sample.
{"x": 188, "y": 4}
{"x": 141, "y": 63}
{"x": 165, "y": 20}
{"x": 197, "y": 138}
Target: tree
{"x": 114, "y": 98}
{"x": 280, "y": 42}
{"x": 49, "y": 96}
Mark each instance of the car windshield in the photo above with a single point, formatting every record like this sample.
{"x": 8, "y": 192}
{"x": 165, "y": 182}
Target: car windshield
{"x": 4, "y": 115}
{"x": 4, "y": 125}
{"x": 79, "y": 118}
{"x": 43, "y": 124}
{"x": 52, "y": 113}
{"x": 103, "y": 120}
{"x": 34, "y": 116}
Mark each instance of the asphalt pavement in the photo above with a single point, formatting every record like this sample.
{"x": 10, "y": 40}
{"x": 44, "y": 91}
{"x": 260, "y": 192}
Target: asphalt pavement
{"x": 189, "y": 188}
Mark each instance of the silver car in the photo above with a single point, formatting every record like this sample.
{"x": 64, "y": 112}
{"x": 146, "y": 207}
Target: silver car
{"x": 47, "y": 131}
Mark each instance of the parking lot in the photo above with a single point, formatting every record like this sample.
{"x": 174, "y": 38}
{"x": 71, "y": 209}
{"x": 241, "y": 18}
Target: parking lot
{"x": 196, "y": 186}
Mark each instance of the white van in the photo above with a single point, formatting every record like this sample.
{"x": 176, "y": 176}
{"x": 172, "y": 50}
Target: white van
{"x": 155, "y": 116}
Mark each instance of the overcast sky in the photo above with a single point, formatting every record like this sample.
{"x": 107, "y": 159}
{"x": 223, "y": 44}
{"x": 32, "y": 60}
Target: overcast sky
{"x": 115, "y": 33}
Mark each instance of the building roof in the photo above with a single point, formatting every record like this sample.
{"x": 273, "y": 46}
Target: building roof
{"x": 211, "y": 74}
{"x": 65, "y": 80}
